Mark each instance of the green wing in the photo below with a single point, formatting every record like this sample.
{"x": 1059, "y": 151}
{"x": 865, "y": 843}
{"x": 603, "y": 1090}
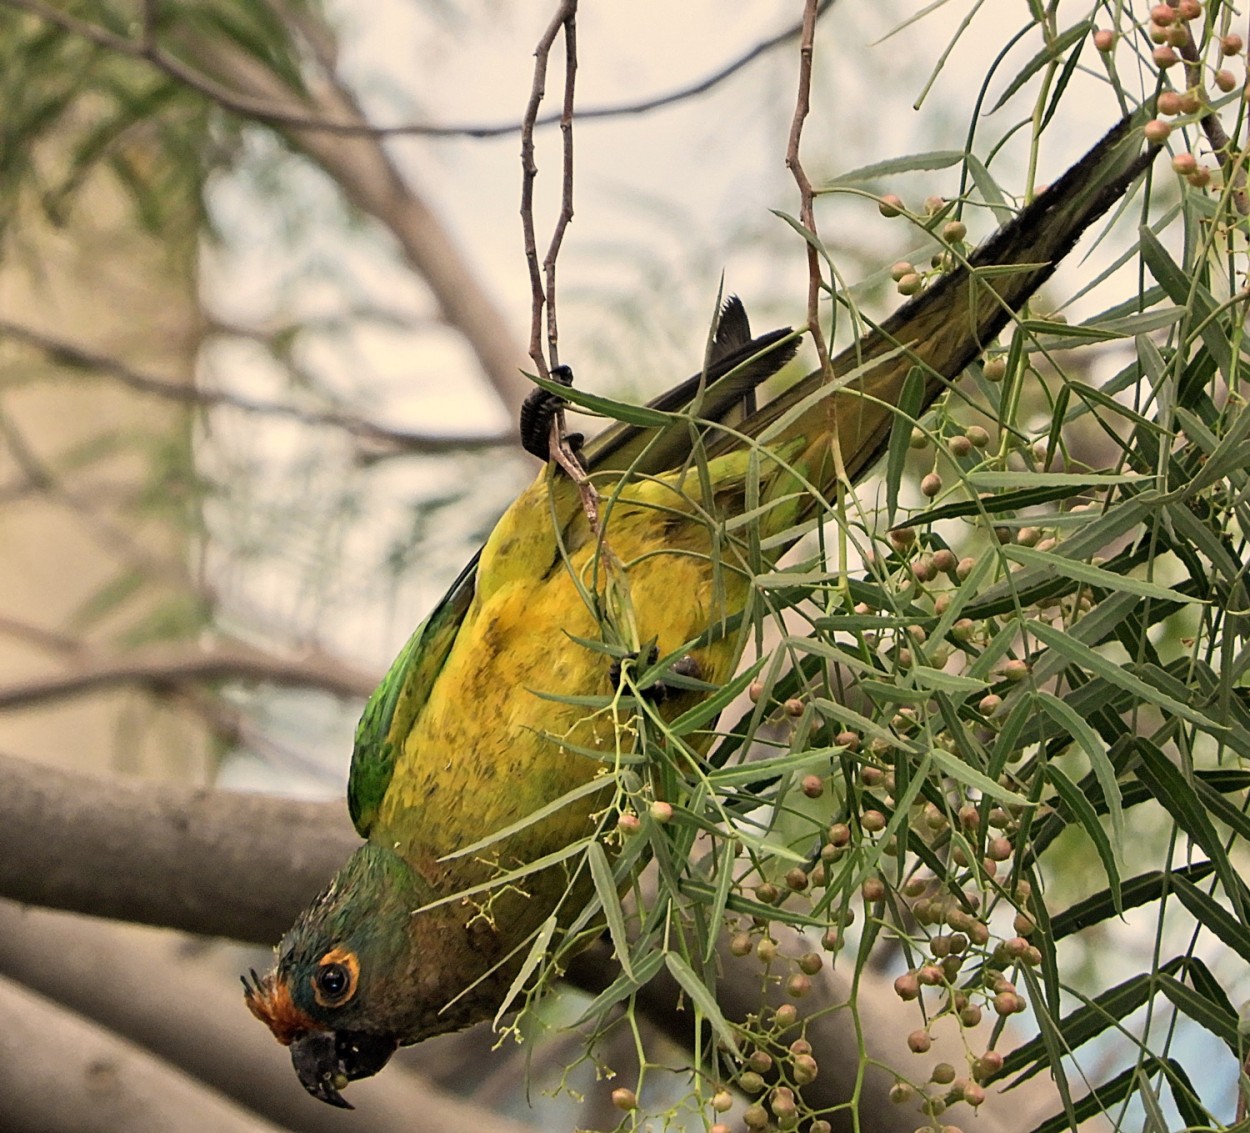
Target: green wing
{"x": 398, "y": 700}
{"x": 736, "y": 365}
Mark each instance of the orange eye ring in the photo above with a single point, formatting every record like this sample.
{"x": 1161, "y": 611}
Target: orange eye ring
{"x": 335, "y": 980}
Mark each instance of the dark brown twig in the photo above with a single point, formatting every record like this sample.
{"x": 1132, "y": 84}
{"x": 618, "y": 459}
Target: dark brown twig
{"x": 529, "y": 173}
{"x": 807, "y": 217}
{"x": 566, "y": 184}
{"x": 543, "y": 285}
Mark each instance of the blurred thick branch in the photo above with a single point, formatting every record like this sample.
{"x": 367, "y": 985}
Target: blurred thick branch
{"x": 219, "y": 863}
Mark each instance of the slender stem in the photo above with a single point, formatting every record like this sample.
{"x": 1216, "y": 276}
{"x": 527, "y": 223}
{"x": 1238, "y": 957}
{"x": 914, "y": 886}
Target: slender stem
{"x": 807, "y": 216}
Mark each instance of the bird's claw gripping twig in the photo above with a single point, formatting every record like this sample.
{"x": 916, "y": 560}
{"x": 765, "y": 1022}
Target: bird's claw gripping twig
{"x": 539, "y": 410}
{"x": 544, "y": 434}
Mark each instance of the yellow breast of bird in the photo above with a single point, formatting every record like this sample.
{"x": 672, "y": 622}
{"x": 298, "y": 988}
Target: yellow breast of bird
{"x": 489, "y": 748}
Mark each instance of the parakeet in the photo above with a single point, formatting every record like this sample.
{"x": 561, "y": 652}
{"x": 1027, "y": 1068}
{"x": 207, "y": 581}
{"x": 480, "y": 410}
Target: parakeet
{"x": 463, "y": 737}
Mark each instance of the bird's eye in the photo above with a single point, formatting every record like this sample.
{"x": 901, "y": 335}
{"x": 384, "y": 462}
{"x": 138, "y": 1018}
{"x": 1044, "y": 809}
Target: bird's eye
{"x": 334, "y": 982}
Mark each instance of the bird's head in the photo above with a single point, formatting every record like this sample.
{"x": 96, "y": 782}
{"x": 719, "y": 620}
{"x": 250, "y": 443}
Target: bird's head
{"x": 336, "y": 996}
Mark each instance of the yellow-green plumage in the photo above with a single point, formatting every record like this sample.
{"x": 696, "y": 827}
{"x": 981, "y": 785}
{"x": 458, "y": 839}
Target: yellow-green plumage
{"x": 524, "y": 621}
{"x": 459, "y": 741}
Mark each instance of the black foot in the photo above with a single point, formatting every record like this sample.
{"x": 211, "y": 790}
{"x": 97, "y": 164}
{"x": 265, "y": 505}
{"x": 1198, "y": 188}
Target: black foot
{"x": 659, "y": 691}
{"x": 538, "y": 410}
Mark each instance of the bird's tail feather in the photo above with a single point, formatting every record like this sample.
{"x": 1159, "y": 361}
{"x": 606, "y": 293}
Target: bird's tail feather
{"x": 942, "y": 330}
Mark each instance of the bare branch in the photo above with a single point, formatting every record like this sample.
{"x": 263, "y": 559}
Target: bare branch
{"x": 367, "y": 176}
{"x": 115, "y": 538}
{"x": 563, "y": 18}
{"x": 566, "y": 182}
{"x": 282, "y": 115}
{"x": 163, "y": 666}
{"x": 224, "y": 863}
{"x": 807, "y": 216}
{"x": 379, "y": 437}
{"x": 218, "y": 863}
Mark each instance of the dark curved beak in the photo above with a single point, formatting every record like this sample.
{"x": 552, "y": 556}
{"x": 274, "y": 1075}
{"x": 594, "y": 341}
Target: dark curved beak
{"x": 326, "y": 1061}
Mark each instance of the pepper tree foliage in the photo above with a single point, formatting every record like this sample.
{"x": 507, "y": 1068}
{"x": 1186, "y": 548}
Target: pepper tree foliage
{"x": 998, "y": 714}
{"x": 995, "y": 708}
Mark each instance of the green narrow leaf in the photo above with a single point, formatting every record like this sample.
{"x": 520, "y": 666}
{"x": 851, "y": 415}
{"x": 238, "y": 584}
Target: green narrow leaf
{"x": 988, "y": 187}
{"x": 997, "y": 504}
{"x": 623, "y": 986}
{"x": 631, "y": 414}
{"x": 1139, "y": 890}
{"x": 1091, "y": 743}
{"x": 1210, "y": 1016}
{"x": 605, "y": 890}
{"x": 1083, "y": 812}
{"x": 572, "y": 850}
{"x": 1076, "y": 481}
{"x": 1061, "y": 84}
{"x": 1116, "y": 674}
{"x": 588, "y": 788}
{"x": 1184, "y": 290}
{"x": 1186, "y": 1097}
{"x": 1093, "y": 575}
{"x": 961, "y": 772}
{"x": 1048, "y": 54}
{"x": 913, "y": 163}
{"x": 909, "y": 402}
{"x": 707, "y": 710}
{"x": 723, "y": 856}
{"x": 702, "y": 998}
{"x": 1097, "y": 1015}
{"x": 938, "y": 680}
{"x": 1098, "y": 1102}
{"x": 1173, "y": 791}
{"x": 537, "y": 954}
{"x": 1214, "y": 917}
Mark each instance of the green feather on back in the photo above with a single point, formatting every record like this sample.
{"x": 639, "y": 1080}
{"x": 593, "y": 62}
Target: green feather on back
{"x": 736, "y": 364}
{"x": 398, "y": 700}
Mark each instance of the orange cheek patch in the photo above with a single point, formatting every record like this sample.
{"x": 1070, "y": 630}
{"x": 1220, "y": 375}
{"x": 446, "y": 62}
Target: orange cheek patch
{"x": 271, "y": 1003}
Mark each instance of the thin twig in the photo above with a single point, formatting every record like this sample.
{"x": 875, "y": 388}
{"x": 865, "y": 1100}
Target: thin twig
{"x": 265, "y": 110}
{"x": 566, "y": 185}
{"x": 169, "y": 666}
{"x": 68, "y": 354}
{"x": 807, "y": 217}
{"x": 567, "y": 459}
{"x": 529, "y": 173}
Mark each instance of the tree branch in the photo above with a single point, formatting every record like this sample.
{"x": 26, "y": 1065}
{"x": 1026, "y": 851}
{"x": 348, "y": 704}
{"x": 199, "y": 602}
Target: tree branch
{"x": 218, "y": 863}
{"x": 165, "y": 665}
{"x": 60, "y": 1072}
{"x": 807, "y": 215}
{"x": 277, "y": 114}
{"x": 565, "y": 18}
{"x": 363, "y": 170}
{"x": 223, "y": 863}
{"x": 378, "y": 436}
